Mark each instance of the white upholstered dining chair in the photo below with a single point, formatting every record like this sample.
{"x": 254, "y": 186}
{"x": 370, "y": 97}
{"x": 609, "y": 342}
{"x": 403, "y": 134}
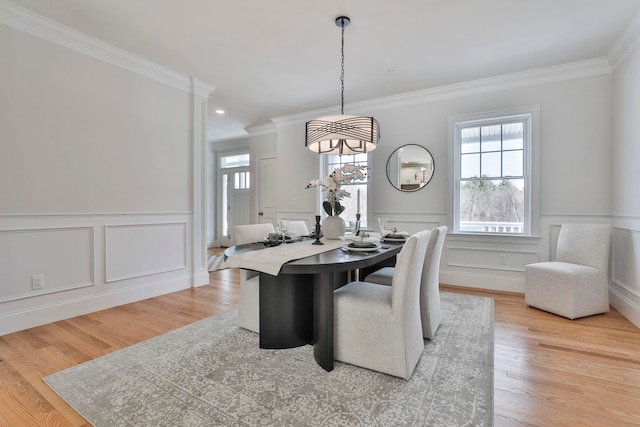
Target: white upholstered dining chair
{"x": 378, "y": 327}
{"x": 430, "y": 309}
{"x": 298, "y": 227}
{"x": 249, "y": 308}
{"x": 576, "y": 284}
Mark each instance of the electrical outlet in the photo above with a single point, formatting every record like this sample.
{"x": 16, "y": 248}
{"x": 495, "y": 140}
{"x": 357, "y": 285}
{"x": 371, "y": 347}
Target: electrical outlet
{"x": 37, "y": 281}
{"x": 503, "y": 259}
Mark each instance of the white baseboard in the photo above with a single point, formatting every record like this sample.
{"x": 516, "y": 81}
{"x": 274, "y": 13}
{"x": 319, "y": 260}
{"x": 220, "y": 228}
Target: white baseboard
{"x": 625, "y": 306}
{"x": 40, "y": 315}
{"x": 201, "y": 278}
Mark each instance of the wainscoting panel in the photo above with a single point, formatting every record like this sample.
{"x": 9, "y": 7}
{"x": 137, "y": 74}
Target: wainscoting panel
{"x": 626, "y": 253}
{"x": 27, "y": 254}
{"x": 554, "y": 232}
{"x": 137, "y": 250}
{"x": 493, "y": 259}
{"x": 625, "y": 274}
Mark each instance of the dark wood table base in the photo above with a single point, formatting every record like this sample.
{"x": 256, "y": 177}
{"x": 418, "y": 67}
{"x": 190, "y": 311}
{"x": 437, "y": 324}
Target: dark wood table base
{"x": 297, "y": 309}
{"x": 296, "y": 306}
{"x": 286, "y": 310}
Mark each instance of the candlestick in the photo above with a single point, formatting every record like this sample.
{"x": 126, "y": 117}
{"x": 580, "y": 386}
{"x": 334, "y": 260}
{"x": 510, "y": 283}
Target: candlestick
{"x": 357, "y": 224}
{"x": 317, "y": 242}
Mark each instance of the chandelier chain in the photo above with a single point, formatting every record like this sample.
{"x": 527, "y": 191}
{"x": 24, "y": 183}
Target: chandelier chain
{"x": 342, "y": 73}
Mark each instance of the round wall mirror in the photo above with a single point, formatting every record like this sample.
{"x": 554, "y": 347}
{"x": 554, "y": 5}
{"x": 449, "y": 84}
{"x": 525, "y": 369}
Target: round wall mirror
{"x": 410, "y": 167}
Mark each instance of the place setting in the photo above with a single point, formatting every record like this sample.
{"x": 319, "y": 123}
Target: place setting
{"x": 364, "y": 242}
{"x": 283, "y": 235}
{"x": 361, "y": 242}
{"x": 364, "y": 247}
{"x": 391, "y": 235}
{"x": 395, "y": 236}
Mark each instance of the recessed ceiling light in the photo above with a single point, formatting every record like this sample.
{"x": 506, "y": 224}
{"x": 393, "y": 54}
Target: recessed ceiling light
{"x": 219, "y": 111}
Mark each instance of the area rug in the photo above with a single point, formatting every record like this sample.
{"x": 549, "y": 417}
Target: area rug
{"x": 215, "y": 262}
{"x": 212, "y": 373}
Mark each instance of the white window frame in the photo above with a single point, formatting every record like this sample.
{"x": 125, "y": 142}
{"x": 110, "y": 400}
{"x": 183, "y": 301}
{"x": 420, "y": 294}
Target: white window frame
{"x": 531, "y": 116}
{"x": 324, "y": 166}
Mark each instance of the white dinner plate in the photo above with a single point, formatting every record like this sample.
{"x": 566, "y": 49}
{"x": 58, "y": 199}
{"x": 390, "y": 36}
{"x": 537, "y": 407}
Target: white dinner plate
{"x": 287, "y": 240}
{"x": 346, "y": 247}
{"x": 388, "y": 239}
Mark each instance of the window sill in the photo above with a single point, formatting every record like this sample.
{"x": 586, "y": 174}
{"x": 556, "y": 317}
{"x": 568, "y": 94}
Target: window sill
{"x": 494, "y": 237}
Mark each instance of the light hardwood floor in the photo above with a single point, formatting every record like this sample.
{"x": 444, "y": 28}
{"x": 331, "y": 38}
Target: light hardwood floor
{"x": 549, "y": 371}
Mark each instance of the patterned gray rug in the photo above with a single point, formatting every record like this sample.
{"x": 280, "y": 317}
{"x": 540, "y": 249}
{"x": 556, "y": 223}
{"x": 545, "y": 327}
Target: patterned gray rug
{"x": 214, "y": 262}
{"x": 212, "y": 373}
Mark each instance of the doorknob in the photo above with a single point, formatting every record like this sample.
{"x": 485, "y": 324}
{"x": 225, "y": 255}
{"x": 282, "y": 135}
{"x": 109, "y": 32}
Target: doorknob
{"x": 260, "y": 213}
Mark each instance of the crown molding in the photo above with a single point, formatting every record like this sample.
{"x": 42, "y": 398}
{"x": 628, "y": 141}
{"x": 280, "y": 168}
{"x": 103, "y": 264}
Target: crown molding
{"x": 229, "y": 145}
{"x": 558, "y": 73}
{"x": 257, "y": 130}
{"x": 626, "y": 43}
{"x": 251, "y": 131}
{"x": 201, "y": 88}
{"x": 36, "y": 25}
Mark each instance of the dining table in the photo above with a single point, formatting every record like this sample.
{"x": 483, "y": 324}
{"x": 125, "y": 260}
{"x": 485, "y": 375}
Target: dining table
{"x": 296, "y": 293}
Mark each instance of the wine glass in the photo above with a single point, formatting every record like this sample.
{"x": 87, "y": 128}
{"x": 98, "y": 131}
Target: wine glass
{"x": 283, "y": 226}
{"x": 382, "y": 222}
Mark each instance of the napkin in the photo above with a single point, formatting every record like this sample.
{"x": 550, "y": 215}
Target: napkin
{"x": 396, "y": 234}
{"x": 293, "y": 235}
{"x": 353, "y": 238}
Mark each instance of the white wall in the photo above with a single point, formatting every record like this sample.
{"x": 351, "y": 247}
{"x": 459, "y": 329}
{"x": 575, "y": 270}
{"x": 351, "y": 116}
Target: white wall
{"x": 626, "y": 193}
{"x": 296, "y": 167}
{"x": 82, "y": 136}
{"x": 575, "y": 181}
{"x": 575, "y": 142}
{"x": 589, "y": 151}
{"x": 100, "y": 175}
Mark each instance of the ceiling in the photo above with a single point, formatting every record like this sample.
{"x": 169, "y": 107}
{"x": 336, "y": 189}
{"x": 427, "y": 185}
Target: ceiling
{"x": 274, "y": 58}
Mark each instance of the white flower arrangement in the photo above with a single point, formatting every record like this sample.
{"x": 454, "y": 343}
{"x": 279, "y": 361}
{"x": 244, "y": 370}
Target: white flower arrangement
{"x": 331, "y": 186}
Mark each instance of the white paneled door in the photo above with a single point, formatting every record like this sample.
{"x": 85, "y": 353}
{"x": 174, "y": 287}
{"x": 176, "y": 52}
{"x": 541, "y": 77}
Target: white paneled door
{"x": 267, "y": 187}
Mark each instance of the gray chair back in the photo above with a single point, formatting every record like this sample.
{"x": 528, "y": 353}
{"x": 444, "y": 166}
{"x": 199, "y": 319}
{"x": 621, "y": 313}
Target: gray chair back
{"x": 585, "y": 244}
{"x": 252, "y": 233}
{"x": 298, "y": 227}
{"x": 430, "y": 284}
{"x": 405, "y": 294}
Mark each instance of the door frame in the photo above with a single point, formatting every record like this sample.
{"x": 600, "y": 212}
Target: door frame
{"x": 231, "y": 208}
{"x": 258, "y": 188}
{"x": 223, "y": 149}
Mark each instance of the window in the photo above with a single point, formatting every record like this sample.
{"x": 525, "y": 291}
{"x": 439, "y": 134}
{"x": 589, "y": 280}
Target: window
{"x": 241, "y": 180}
{"x": 234, "y": 161}
{"x": 333, "y": 161}
{"x": 492, "y": 183}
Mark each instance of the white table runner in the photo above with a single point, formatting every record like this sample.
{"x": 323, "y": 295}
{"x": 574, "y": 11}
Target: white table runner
{"x": 271, "y": 259}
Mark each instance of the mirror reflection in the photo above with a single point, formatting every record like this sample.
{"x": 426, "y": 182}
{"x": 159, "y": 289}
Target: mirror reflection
{"x": 410, "y": 167}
